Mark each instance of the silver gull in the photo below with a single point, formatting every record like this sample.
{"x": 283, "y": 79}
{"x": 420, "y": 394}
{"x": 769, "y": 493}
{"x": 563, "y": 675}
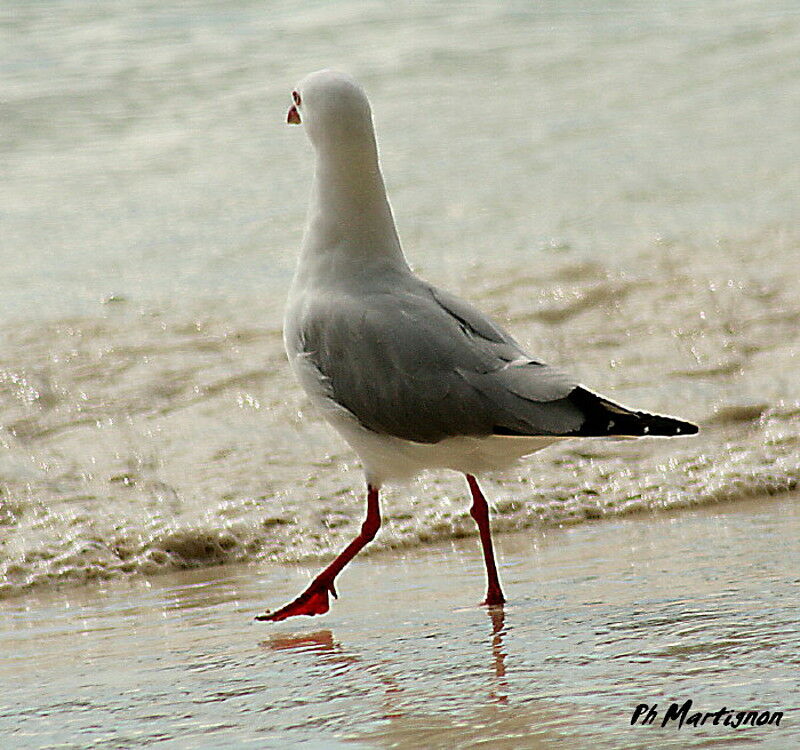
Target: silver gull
{"x": 412, "y": 377}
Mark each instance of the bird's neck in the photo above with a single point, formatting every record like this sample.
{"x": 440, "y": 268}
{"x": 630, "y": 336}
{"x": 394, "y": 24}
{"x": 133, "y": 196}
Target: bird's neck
{"x": 350, "y": 223}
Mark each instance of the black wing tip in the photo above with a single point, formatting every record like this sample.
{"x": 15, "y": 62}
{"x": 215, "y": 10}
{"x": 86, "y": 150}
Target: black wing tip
{"x": 605, "y": 418}
{"x": 635, "y": 424}
{"x": 685, "y": 428}
{"x": 656, "y": 425}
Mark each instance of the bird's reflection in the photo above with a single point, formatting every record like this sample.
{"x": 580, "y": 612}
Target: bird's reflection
{"x": 319, "y": 641}
{"x": 330, "y": 652}
{"x": 324, "y": 646}
{"x": 499, "y": 691}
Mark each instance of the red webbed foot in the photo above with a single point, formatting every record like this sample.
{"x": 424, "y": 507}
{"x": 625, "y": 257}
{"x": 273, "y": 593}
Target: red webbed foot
{"x": 313, "y": 601}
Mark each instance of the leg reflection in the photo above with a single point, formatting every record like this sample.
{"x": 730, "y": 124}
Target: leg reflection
{"x": 328, "y": 651}
{"x": 499, "y": 690}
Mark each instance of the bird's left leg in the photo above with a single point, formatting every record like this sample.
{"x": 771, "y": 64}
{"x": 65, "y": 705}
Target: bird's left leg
{"x": 314, "y": 600}
{"x": 480, "y": 512}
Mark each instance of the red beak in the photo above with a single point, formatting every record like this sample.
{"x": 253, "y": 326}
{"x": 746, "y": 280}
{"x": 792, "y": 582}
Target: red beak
{"x": 293, "y": 118}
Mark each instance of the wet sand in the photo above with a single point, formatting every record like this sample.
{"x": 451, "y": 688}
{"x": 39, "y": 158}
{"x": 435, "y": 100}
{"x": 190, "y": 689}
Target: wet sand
{"x": 696, "y": 605}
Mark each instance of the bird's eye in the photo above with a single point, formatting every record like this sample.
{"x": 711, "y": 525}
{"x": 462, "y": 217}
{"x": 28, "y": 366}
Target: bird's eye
{"x": 296, "y": 98}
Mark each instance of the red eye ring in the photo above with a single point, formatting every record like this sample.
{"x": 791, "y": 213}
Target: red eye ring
{"x": 296, "y": 98}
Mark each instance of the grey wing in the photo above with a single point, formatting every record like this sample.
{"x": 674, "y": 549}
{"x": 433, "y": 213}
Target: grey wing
{"x": 423, "y": 365}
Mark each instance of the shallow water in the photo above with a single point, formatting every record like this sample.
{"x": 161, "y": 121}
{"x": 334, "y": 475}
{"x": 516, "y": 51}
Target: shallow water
{"x": 616, "y": 186}
{"x": 696, "y": 605}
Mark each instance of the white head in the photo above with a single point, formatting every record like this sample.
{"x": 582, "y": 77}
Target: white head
{"x": 335, "y": 112}
{"x": 350, "y": 225}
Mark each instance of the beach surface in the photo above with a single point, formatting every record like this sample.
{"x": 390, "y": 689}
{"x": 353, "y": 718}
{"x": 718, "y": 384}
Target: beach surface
{"x": 697, "y": 605}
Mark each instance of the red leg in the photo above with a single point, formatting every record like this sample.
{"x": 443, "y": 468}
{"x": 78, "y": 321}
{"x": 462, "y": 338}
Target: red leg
{"x": 314, "y": 600}
{"x": 480, "y": 512}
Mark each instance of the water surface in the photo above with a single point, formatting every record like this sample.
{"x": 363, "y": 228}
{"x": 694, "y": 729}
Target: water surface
{"x": 696, "y": 605}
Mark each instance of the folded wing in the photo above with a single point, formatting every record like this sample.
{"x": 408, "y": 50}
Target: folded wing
{"x": 423, "y": 365}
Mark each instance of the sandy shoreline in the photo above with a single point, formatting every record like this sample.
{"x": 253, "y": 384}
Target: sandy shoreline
{"x": 694, "y": 605}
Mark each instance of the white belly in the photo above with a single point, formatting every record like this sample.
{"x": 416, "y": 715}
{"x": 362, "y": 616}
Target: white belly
{"x": 390, "y": 459}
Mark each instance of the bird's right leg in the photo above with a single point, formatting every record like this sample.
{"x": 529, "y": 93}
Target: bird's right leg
{"x": 480, "y": 512}
{"x": 314, "y": 600}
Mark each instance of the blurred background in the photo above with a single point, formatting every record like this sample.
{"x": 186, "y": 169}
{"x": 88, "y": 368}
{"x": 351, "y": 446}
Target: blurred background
{"x": 615, "y": 182}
